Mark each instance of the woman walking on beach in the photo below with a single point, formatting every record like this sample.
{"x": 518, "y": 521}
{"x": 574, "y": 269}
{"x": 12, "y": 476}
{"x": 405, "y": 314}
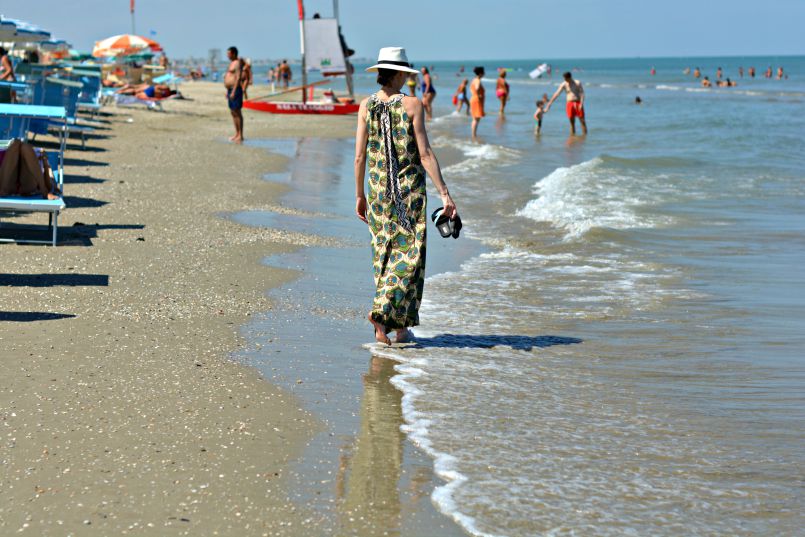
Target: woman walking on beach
{"x": 477, "y": 96}
{"x": 392, "y": 127}
{"x": 428, "y": 93}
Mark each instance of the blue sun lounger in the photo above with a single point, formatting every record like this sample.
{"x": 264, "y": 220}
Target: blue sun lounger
{"x": 14, "y": 121}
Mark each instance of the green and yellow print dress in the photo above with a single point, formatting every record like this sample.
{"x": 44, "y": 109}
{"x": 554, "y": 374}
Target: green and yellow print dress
{"x": 396, "y": 214}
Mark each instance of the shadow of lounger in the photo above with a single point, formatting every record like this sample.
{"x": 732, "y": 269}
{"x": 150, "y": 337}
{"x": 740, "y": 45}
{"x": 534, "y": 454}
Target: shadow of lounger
{"x": 52, "y": 280}
{"x": 31, "y": 316}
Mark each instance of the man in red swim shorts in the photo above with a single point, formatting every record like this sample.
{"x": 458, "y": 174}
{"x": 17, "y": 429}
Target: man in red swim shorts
{"x": 575, "y": 102}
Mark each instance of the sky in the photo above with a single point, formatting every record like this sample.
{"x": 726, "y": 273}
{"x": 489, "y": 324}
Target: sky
{"x": 441, "y": 29}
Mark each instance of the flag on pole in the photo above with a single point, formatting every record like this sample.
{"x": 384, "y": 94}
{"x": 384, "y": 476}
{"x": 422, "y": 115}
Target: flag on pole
{"x": 132, "y": 7}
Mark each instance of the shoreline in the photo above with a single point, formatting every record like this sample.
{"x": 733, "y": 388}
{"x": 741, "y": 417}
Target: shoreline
{"x": 124, "y": 410}
{"x": 351, "y": 389}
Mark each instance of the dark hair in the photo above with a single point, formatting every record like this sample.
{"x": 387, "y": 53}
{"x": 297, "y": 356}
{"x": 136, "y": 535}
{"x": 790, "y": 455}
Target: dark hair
{"x": 2, "y": 51}
{"x": 385, "y": 76}
{"x": 567, "y": 75}
{"x": 479, "y": 70}
{"x": 233, "y": 50}
{"x": 502, "y": 73}
{"x": 540, "y": 102}
{"x": 425, "y": 70}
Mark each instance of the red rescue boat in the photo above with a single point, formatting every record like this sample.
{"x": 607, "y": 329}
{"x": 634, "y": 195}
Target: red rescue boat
{"x": 310, "y": 107}
{"x": 323, "y": 50}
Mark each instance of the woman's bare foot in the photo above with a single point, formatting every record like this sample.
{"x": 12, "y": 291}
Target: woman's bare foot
{"x": 403, "y": 336}
{"x": 380, "y": 331}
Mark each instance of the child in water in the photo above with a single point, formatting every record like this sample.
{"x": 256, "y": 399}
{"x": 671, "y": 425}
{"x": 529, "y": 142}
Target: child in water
{"x": 538, "y": 115}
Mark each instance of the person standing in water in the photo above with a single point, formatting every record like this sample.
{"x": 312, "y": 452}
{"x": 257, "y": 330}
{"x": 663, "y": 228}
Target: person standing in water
{"x": 502, "y": 90}
{"x": 411, "y": 83}
{"x": 460, "y": 97}
{"x": 428, "y": 93}
{"x": 233, "y": 81}
{"x": 392, "y": 127}
{"x": 575, "y": 102}
{"x": 477, "y": 97}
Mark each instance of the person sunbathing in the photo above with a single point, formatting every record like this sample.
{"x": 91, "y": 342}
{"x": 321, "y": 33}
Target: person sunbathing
{"x": 23, "y": 173}
{"x": 146, "y": 91}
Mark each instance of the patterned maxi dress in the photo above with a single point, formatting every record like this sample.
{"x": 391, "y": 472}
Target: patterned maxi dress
{"x": 396, "y": 213}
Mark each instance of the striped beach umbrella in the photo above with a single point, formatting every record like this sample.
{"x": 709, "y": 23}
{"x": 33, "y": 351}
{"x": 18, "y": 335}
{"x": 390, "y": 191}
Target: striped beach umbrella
{"x": 124, "y": 44}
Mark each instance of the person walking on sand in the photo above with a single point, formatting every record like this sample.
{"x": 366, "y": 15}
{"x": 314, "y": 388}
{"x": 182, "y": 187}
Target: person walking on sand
{"x": 477, "y": 97}
{"x": 575, "y": 102}
{"x": 234, "y": 92}
{"x": 428, "y": 93}
{"x": 392, "y": 127}
{"x": 502, "y": 90}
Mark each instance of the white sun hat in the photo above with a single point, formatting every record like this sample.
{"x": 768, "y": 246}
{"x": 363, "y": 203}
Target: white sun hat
{"x": 393, "y": 58}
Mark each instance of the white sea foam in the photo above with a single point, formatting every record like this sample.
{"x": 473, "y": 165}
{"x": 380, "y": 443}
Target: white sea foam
{"x": 478, "y": 155}
{"x": 594, "y": 194}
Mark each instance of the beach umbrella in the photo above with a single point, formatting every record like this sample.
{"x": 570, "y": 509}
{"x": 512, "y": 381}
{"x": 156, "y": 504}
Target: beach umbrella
{"x": 78, "y": 55}
{"x": 54, "y": 44}
{"x": 124, "y": 44}
{"x": 7, "y": 30}
{"x": 24, "y": 32}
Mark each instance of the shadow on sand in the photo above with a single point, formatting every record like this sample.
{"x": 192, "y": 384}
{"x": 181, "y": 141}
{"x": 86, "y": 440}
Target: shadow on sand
{"x": 31, "y": 316}
{"x": 51, "y": 280}
{"x": 487, "y": 341}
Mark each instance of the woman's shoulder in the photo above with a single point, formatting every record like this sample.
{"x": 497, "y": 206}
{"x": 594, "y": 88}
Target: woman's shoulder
{"x": 411, "y": 104}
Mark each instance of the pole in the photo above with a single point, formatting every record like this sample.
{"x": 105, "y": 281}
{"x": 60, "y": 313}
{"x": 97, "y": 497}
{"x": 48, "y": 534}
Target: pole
{"x": 302, "y": 41}
{"x": 131, "y": 8}
{"x": 347, "y": 65}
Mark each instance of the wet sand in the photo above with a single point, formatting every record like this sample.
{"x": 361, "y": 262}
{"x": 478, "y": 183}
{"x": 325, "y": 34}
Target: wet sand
{"x": 121, "y": 410}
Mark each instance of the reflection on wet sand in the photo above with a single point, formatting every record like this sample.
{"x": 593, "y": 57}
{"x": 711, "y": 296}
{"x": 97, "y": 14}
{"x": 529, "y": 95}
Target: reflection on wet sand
{"x": 368, "y": 484}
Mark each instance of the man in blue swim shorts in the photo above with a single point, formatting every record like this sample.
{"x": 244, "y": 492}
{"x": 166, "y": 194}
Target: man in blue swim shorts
{"x": 234, "y": 92}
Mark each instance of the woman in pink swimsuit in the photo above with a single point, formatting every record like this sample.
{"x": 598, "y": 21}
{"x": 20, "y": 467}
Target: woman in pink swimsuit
{"x": 502, "y": 90}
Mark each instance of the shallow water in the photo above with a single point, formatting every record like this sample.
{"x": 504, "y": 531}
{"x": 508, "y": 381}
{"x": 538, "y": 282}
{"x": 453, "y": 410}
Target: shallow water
{"x": 626, "y": 356}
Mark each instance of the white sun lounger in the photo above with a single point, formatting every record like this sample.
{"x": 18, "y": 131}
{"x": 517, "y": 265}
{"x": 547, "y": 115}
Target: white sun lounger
{"x": 17, "y": 116}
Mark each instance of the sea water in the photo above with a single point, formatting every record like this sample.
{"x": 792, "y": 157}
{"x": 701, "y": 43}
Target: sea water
{"x": 625, "y": 354}
{"x": 629, "y": 356}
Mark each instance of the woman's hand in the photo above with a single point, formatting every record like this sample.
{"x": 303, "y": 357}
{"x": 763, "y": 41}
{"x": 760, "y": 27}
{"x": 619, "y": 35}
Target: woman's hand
{"x": 450, "y": 210}
{"x": 360, "y": 209}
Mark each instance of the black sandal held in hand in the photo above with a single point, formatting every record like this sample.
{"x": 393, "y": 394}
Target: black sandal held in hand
{"x": 447, "y": 227}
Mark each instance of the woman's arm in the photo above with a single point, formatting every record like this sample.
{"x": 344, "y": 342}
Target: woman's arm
{"x": 428, "y": 158}
{"x": 361, "y": 139}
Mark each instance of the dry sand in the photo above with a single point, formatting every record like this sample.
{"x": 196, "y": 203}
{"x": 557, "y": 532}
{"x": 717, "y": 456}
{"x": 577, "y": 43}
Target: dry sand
{"x": 126, "y": 415}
